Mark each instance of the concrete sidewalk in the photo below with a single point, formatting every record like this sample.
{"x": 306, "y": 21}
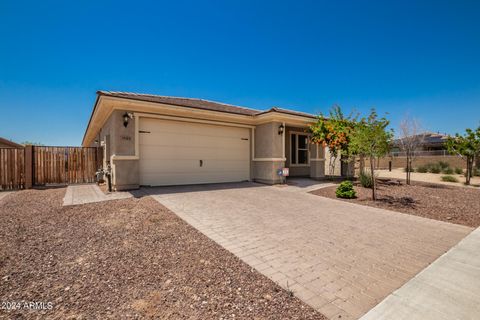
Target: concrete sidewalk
{"x": 447, "y": 289}
{"x": 3, "y": 194}
{"x": 87, "y": 193}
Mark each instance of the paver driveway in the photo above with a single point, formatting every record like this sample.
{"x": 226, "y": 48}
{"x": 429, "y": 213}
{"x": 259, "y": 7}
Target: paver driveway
{"x": 340, "y": 258}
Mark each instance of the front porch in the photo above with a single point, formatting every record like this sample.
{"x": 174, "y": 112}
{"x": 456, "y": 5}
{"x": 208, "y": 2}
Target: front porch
{"x": 277, "y": 145}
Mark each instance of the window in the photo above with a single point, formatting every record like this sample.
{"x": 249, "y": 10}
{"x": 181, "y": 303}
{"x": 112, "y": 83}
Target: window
{"x": 298, "y": 149}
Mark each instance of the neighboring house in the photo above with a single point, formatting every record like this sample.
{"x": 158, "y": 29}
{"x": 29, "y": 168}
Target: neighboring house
{"x": 430, "y": 142}
{"x": 4, "y": 143}
{"x": 157, "y": 140}
{"x": 432, "y": 149}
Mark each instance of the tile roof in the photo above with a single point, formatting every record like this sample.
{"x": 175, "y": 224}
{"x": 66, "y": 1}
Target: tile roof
{"x": 9, "y": 143}
{"x": 183, "y": 102}
{"x": 429, "y": 138}
{"x": 199, "y": 104}
{"x": 287, "y": 111}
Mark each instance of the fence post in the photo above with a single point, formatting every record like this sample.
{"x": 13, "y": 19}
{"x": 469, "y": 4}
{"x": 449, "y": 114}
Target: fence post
{"x": 28, "y": 166}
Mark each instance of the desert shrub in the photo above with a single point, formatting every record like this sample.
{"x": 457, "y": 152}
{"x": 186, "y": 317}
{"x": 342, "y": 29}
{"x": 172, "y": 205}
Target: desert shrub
{"x": 449, "y": 179}
{"x": 448, "y": 171}
{"x": 345, "y": 190}
{"x": 476, "y": 172}
{"x": 435, "y": 169}
{"x": 443, "y": 165}
{"x": 422, "y": 169}
{"x": 458, "y": 170}
{"x": 365, "y": 179}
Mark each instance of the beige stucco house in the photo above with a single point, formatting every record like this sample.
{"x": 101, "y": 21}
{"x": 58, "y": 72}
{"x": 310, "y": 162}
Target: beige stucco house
{"x": 157, "y": 140}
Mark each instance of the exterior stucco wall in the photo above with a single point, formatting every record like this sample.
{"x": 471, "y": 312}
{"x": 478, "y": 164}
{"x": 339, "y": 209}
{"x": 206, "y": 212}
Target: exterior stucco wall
{"x": 122, "y": 139}
{"x": 268, "y": 153}
{"x": 125, "y": 175}
{"x": 266, "y": 171}
{"x": 119, "y": 140}
{"x": 268, "y": 143}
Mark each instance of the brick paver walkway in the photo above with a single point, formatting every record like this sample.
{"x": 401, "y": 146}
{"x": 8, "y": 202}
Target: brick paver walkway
{"x": 340, "y": 258}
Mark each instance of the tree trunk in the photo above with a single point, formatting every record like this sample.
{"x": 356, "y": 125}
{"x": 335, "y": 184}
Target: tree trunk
{"x": 374, "y": 196}
{"x": 331, "y": 164}
{"x": 471, "y": 166}
{"x": 408, "y": 169}
{"x": 468, "y": 173}
{"x": 362, "y": 164}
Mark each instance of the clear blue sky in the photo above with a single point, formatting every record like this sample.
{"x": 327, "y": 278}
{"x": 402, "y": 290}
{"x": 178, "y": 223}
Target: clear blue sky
{"x": 420, "y": 57}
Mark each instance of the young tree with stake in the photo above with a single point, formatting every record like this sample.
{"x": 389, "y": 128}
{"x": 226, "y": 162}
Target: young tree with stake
{"x": 372, "y": 139}
{"x": 410, "y": 140}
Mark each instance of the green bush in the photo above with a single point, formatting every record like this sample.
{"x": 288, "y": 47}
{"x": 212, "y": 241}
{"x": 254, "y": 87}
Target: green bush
{"x": 345, "y": 190}
{"x": 411, "y": 169}
{"x": 476, "y": 172}
{"x": 448, "y": 171}
{"x": 443, "y": 165}
{"x": 422, "y": 169}
{"x": 366, "y": 180}
{"x": 435, "y": 169}
{"x": 449, "y": 179}
{"x": 458, "y": 170}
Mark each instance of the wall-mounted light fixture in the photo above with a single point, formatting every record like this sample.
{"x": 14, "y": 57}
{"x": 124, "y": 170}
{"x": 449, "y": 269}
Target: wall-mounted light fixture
{"x": 281, "y": 128}
{"x": 126, "y": 118}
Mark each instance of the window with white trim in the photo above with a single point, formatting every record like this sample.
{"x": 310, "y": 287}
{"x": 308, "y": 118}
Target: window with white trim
{"x": 298, "y": 149}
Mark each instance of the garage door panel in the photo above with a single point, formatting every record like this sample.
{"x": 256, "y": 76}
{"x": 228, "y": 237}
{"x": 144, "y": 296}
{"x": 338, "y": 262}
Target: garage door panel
{"x": 208, "y": 166}
{"x": 178, "y": 153}
{"x": 190, "y": 140}
{"x": 178, "y": 178}
{"x": 170, "y": 153}
{"x": 168, "y": 126}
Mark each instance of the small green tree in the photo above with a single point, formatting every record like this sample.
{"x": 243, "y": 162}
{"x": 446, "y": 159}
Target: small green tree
{"x": 371, "y": 139}
{"x": 466, "y": 146}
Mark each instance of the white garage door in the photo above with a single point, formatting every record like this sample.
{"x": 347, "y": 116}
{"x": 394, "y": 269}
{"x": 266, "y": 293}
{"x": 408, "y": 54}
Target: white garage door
{"x": 177, "y": 152}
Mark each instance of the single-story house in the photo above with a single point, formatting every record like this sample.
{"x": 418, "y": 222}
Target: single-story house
{"x": 428, "y": 141}
{"x": 4, "y": 143}
{"x": 159, "y": 140}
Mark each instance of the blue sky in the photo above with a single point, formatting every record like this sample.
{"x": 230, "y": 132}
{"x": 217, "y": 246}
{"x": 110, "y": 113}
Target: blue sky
{"x": 416, "y": 57}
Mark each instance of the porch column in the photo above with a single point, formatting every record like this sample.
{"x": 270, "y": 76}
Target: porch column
{"x": 268, "y": 153}
{"x": 317, "y": 161}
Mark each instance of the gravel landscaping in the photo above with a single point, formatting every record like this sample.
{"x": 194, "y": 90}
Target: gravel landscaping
{"x": 129, "y": 258}
{"x": 451, "y": 204}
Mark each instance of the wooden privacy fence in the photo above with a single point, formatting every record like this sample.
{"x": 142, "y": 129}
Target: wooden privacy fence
{"x": 12, "y": 168}
{"x": 39, "y": 165}
{"x": 64, "y": 165}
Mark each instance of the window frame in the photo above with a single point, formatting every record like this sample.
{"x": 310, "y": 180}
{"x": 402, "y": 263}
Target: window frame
{"x": 297, "y": 134}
